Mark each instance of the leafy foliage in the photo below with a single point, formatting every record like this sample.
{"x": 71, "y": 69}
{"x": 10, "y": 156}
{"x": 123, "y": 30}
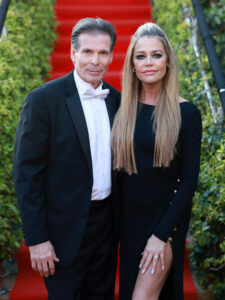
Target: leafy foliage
{"x": 24, "y": 55}
{"x": 215, "y": 12}
{"x": 207, "y": 244}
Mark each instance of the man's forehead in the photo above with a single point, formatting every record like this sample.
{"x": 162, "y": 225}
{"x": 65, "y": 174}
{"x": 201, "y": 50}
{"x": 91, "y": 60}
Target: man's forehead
{"x": 94, "y": 40}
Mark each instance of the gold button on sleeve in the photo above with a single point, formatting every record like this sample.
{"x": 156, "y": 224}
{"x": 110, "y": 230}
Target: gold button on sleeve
{"x": 170, "y": 239}
{"x": 175, "y": 229}
{"x": 175, "y": 191}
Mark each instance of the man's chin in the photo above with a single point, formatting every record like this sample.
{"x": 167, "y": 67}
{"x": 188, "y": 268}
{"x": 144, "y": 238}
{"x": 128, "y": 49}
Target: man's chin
{"x": 95, "y": 80}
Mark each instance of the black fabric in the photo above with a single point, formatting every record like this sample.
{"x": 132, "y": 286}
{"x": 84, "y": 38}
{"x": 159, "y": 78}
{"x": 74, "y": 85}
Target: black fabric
{"x": 52, "y": 168}
{"x": 92, "y": 275}
{"x": 158, "y": 201}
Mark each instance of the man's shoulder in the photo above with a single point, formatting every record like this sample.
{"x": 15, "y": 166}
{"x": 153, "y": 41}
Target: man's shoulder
{"x": 53, "y": 87}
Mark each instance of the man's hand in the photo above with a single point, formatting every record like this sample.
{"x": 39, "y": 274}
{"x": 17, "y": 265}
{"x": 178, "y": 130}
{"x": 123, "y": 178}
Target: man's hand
{"x": 43, "y": 258}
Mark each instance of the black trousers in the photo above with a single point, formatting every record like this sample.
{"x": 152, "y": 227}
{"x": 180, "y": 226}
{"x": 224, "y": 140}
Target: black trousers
{"x": 92, "y": 275}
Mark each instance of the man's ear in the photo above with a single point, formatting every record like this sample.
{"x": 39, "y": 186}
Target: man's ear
{"x": 73, "y": 54}
{"x": 111, "y": 57}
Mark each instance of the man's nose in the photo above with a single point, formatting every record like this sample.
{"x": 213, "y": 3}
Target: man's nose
{"x": 95, "y": 59}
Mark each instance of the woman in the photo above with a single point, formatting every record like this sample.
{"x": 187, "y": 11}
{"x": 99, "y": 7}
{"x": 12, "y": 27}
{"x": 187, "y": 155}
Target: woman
{"x": 156, "y": 139}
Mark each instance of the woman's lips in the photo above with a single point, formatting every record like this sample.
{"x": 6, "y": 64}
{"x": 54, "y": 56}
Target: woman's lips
{"x": 149, "y": 72}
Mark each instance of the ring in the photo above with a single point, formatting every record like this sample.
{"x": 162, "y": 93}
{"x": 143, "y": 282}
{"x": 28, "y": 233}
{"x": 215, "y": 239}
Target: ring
{"x": 155, "y": 256}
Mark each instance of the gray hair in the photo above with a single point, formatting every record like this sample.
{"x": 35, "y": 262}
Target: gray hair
{"x": 91, "y": 25}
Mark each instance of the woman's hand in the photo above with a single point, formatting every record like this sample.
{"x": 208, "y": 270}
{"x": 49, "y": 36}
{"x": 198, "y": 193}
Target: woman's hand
{"x": 153, "y": 252}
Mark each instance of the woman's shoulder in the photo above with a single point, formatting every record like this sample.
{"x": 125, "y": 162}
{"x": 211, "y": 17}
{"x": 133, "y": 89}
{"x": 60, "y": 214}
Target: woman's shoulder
{"x": 191, "y": 117}
{"x": 187, "y": 107}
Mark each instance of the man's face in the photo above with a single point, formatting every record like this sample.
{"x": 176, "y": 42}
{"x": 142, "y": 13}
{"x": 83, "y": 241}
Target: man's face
{"x": 92, "y": 58}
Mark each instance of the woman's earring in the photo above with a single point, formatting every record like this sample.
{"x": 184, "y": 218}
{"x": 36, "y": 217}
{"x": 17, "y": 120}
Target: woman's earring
{"x": 133, "y": 69}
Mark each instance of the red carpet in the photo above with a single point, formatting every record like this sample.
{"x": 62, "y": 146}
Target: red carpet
{"x": 126, "y": 15}
{"x": 30, "y": 286}
{"x": 190, "y": 292}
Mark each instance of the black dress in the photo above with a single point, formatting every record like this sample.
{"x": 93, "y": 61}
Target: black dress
{"x": 158, "y": 201}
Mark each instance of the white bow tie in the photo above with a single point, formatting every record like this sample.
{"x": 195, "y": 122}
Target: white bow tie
{"x": 91, "y": 93}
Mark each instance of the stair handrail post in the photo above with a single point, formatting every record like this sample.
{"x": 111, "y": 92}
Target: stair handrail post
{"x": 210, "y": 50}
{"x": 3, "y": 11}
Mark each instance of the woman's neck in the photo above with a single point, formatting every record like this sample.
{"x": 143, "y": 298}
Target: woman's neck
{"x": 150, "y": 93}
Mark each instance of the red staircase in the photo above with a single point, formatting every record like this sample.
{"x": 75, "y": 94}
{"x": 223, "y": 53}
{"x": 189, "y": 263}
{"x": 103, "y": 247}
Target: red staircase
{"x": 125, "y": 15}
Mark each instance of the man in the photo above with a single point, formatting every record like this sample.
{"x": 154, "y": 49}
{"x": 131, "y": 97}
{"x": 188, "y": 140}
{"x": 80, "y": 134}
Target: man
{"x": 62, "y": 171}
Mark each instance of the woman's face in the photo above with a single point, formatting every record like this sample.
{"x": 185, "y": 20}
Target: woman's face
{"x": 150, "y": 60}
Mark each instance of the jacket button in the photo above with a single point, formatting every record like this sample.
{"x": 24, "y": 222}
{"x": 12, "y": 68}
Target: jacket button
{"x": 175, "y": 229}
{"x": 170, "y": 239}
{"x": 175, "y": 191}
{"x": 178, "y": 180}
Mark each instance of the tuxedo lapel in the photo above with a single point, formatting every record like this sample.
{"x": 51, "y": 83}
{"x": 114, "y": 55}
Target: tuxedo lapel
{"x": 110, "y": 106}
{"x": 77, "y": 114}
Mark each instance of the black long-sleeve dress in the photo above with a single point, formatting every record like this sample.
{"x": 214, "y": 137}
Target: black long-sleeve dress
{"x": 158, "y": 201}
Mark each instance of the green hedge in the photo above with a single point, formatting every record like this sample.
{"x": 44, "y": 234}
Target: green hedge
{"x": 24, "y": 65}
{"x": 207, "y": 243}
{"x": 215, "y": 12}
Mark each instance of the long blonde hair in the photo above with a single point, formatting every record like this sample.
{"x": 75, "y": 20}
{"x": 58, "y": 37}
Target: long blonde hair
{"x": 167, "y": 116}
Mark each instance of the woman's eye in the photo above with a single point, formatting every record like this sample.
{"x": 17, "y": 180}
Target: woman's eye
{"x": 157, "y": 55}
{"x": 140, "y": 56}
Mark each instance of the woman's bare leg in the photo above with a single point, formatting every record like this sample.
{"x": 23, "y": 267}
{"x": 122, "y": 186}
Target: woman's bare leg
{"x": 148, "y": 286}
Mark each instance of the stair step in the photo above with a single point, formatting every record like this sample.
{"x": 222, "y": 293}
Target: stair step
{"x": 63, "y": 44}
{"x": 104, "y": 11}
{"x": 111, "y": 75}
{"x": 126, "y": 15}
{"x": 61, "y": 62}
{"x": 113, "y": 79}
{"x": 123, "y": 27}
{"x": 100, "y": 2}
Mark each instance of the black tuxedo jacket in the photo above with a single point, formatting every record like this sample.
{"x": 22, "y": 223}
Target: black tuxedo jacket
{"x": 52, "y": 165}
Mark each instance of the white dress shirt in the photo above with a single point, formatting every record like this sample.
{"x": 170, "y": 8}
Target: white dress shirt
{"x": 98, "y": 125}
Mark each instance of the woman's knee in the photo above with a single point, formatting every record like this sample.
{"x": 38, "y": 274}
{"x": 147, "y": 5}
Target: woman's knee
{"x": 138, "y": 294}
{"x": 142, "y": 294}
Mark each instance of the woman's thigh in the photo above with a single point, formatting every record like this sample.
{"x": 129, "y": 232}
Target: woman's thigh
{"x": 148, "y": 286}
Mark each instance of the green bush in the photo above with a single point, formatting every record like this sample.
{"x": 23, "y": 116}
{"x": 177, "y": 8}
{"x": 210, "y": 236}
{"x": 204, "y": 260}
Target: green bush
{"x": 215, "y": 12}
{"x": 207, "y": 244}
{"x": 208, "y": 221}
{"x": 24, "y": 65}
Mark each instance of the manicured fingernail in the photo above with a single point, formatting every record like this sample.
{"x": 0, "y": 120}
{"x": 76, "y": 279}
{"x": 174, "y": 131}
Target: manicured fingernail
{"x": 142, "y": 272}
{"x": 163, "y": 268}
{"x": 153, "y": 271}
{"x": 140, "y": 266}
